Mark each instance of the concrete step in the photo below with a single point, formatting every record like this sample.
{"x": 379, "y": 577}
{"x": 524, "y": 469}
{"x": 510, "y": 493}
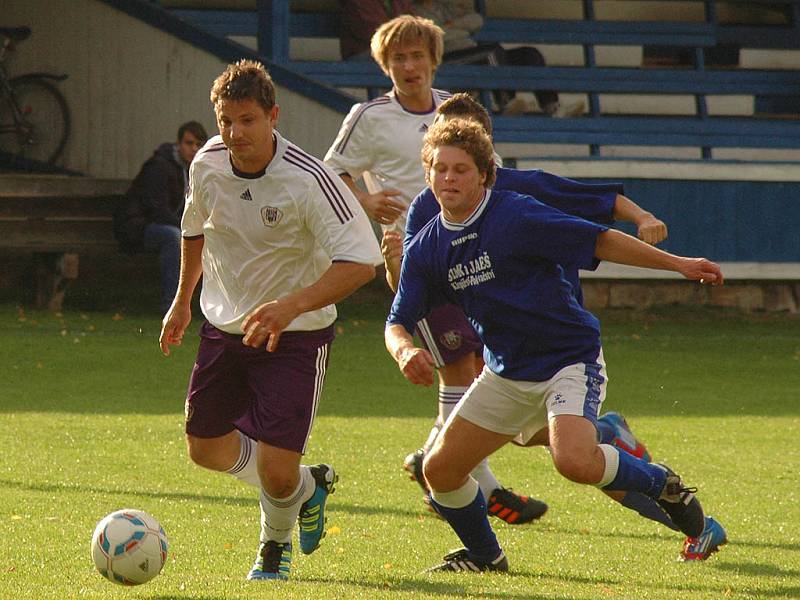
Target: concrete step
{"x": 52, "y": 186}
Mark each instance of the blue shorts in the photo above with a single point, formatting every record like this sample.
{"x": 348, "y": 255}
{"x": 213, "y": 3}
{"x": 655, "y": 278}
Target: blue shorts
{"x": 448, "y": 335}
{"x": 269, "y": 396}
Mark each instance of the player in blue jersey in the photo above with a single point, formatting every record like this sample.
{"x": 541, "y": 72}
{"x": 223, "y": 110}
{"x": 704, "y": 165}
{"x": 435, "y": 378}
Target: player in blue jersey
{"x": 499, "y": 255}
{"x": 601, "y": 203}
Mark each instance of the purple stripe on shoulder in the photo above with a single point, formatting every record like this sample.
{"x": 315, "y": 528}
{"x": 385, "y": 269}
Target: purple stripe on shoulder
{"x": 332, "y": 194}
{"x": 380, "y": 101}
{"x": 318, "y": 166}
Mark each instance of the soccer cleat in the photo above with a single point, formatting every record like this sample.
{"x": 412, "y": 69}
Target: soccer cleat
{"x": 682, "y": 506}
{"x": 413, "y": 465}
{"x": 513, "y": 508}
{"x": 616, "y": 427}
{"x": 460, "y": 560}
{"x": 708, "y": 542}
{"x": 312, "y": 513}
{"x": 272, "y": 561}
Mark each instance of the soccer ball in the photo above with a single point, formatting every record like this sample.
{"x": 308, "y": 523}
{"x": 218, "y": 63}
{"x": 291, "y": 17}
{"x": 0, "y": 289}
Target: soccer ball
{"x": 129, "y": 547}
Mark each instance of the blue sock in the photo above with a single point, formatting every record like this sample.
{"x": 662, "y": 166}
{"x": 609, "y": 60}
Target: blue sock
{"x": 471, "y": 524}
{"x": 636, "y": 475}
{"x": 648, "y": 508}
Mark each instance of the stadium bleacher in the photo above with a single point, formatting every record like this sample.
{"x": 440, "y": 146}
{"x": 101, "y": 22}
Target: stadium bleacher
{"x": 692, "y": 24}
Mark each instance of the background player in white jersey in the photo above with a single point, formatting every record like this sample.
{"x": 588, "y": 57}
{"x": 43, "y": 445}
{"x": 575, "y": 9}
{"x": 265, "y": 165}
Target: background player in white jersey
{"x": 278, "y": 238}
{"x": 499, "y": 255}
{"x": 601, "y": 203}
{"x": 380, "y": 141}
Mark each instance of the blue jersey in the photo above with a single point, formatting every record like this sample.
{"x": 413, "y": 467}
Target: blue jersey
{"x": 590, "y": 201}
{"x": 502, "y": 266}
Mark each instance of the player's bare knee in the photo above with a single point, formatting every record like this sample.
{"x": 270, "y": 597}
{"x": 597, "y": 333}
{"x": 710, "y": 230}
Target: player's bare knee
{"x": 574, "y": 467}
{"x": 204, "y": 452}
{"x": 278, "y": 481}
{"x": 439, "y": 473}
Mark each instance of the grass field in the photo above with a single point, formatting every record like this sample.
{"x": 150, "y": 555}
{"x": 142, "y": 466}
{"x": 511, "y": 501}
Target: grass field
{"x": 91, "y": 421}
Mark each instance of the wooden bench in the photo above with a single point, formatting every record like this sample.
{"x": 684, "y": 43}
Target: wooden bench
{"x": 56, "y": 219}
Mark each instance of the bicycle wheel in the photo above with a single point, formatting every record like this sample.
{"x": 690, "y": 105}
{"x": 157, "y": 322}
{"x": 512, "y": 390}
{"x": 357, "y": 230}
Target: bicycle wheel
{"x": 45, "y": 126}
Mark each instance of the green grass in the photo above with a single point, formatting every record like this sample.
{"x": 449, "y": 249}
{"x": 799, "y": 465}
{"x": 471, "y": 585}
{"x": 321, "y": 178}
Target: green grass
{"x": 91, "y": 421}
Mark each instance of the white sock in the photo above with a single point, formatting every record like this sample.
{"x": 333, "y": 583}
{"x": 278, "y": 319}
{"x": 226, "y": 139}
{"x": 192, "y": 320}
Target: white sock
{"x": 611, "y": 455}
{"x": 485, "y": 478}
{"x": 449, "y": 396}
{"x": 246, "y": 468}
{"x": 458, "y": 498}
{"x": 426, "y": 447}
{"x": 279, "y": 515}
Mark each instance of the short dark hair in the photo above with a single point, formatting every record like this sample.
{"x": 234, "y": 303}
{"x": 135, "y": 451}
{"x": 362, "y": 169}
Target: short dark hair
{"x": 464, "y": 105}
{"x": 195, "y": 128}
{"x": 242, "y": 80}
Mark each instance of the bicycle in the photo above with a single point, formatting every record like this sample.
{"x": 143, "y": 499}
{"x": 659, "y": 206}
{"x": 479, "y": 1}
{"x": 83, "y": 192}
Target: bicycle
{"x": 34, "y": 116}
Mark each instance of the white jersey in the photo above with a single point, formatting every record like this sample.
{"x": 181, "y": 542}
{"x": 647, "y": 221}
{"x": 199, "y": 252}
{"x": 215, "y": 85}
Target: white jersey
{"x": 382, "y": 142}
{"x": 272, "y": 233}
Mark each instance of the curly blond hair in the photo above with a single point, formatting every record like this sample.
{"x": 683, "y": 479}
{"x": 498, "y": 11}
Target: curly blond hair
{"x": 466, "y": 134}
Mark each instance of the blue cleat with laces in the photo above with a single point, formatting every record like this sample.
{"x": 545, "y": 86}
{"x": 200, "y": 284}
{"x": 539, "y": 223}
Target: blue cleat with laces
{"x": 312, "y": 513}
{"x": 273, "y": 561}
{"x": 704, "y": 545}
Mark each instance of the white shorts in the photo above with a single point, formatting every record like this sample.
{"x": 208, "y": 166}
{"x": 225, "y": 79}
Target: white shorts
{"x": 521, "y": 408}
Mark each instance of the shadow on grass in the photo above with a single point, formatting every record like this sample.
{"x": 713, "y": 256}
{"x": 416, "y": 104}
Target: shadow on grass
{"x": 192, "y": 597}
{"x": 356, "y": 509}
{"x": 226, "y": 500}
{"x": 426, "y": 589}
{"x": 760, "y": 569}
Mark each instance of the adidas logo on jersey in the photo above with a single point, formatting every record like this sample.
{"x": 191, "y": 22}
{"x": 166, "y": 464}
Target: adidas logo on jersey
{"x": 246, "y": 195}
{"x": 424, "y": 127}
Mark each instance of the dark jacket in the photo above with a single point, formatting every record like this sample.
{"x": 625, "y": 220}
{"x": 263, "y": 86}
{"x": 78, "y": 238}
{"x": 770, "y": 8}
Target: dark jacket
{"x": 156, "y": 195}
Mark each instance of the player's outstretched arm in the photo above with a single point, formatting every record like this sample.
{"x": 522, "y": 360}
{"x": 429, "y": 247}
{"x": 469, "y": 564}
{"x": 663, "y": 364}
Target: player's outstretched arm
{"x": 382, "y": 207}
{"x": 649, "y": 228}
{"x": 415, "y": 364}
{"x": 266, "y": 323}
{"x": 179, "y": 314}
{"x": 615, "y": 246}
{"x": 392, "y": 250}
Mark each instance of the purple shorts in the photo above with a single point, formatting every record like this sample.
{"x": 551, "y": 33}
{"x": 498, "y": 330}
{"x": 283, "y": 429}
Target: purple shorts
{"x": 447, "y": 334}
{"x": 269, "y": 396}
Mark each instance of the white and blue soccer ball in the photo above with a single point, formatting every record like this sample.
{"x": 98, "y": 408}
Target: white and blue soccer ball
{"x": 129, "y": 547}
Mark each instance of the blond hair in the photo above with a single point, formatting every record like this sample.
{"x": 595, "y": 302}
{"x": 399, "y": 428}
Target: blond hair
{"x": 407, "y": 29}
{"x": 467, "y": 134}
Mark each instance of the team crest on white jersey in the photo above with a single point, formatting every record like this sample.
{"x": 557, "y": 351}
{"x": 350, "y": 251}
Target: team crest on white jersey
{"x": 451, "y": 339}
{"x": 271, "y": 216}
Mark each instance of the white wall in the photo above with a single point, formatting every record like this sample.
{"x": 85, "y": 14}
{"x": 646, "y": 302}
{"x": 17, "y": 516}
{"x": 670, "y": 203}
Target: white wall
{"x": 131, "y": 85}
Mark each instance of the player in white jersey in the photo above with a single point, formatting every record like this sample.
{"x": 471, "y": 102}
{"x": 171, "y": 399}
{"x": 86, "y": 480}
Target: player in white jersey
{"x": 381, "y": 141}
{"x": 278, "y": 238}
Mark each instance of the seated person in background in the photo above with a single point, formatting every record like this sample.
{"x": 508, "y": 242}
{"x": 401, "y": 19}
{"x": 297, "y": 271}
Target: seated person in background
{"x": 460, "y": 20}
{"x": 149, "y": 218}
{"x": 360, "y": 19}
